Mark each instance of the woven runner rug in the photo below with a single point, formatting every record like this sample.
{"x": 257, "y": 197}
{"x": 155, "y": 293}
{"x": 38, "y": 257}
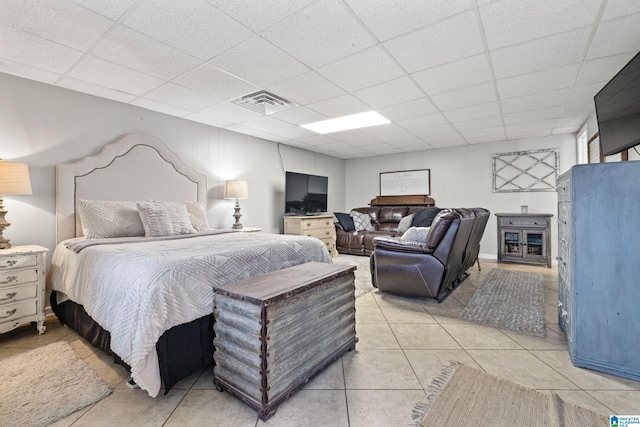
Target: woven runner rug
{"x": 44, "y": 385}
{"x": 464, "y": 396}
{"x": 509, "y": 299}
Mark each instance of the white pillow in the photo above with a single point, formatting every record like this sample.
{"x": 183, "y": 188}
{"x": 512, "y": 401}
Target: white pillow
{"x": 164, "y": 218}
{"x": 404, "y": 224}
{"x": 107, "y": 219}
{"x": 361, "y": 221}
{"x": 197, "y": 215}
{"x": 416, "y": 234}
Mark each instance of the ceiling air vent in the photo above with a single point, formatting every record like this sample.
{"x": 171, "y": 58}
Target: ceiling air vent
{"x": 263, "y": 102}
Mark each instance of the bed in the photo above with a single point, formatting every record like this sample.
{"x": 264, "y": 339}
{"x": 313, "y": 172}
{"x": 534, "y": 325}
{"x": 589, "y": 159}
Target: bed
{"x": 146, "y": 295}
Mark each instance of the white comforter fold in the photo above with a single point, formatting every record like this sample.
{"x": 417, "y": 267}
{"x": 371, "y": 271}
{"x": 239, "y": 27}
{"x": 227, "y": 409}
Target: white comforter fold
{"x": 136, "y": 291}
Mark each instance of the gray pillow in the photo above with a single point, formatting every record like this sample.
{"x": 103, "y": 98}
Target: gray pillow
{"x": 165, "y": 218}
{"x": 361, "y": 221}
{"x": 197, "y": 215}
{"x": 106, "y": 219}
{"x": 404, "y": 224}
{"x": 416, "y": 234}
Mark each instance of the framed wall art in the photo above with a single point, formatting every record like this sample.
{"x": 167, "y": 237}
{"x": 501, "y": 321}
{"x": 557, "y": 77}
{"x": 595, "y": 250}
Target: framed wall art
{"x": 524, "y": 171}
{"x": 405, "y": 183}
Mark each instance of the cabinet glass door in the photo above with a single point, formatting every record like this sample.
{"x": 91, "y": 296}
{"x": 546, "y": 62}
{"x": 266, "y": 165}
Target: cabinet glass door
{"x": 512, "y": 243}
{"x": 534, "y": 244}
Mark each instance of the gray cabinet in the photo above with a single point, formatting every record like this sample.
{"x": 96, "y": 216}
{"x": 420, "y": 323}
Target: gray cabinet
{"x": 524, "y": 238}
{"x": 598, "y": 258}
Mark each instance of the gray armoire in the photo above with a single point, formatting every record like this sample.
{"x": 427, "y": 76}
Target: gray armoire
{"x": 599, "y": 266}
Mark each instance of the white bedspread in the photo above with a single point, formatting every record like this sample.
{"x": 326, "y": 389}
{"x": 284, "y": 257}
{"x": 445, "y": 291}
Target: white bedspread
{"x": 137, "y": 291}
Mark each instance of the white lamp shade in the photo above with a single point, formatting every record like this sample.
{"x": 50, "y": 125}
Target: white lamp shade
{"x": 14, "y": 178}
{"x": 234, "y": 189}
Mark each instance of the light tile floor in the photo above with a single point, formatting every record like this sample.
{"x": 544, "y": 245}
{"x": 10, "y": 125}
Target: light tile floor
{"x": 403, "y": 343}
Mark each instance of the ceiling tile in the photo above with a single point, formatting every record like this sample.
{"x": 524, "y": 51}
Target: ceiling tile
{"x": 112, "y": 9}
{"x": 294, "y": 132}
{"x": 577, "y": 108}
{"x": 104, "y": 73}
{"x": 538, "y": 100}
{"x": 525, "y": 134}
{"x": 441, "y": 43}
{"x": 483, "y": 123}
{"x": 493, "y": 132}
{"x": 379, "y": 130}
{"x": 197, "y": 117}
{"x": 57, "y": 20}
{"x": 618, "y": 8}
{"x": 340, "y": 106}
{"x": 616, "y": 36}
{"x": 214, "y": 82}
{"x": 318, "y": 140}
{"x": 352, "y": 137}
{"x": 230, "y": 113}
{"x": 268, "y": 124}
{"x": 466, "y": 97}
{"x": 429, "y": 132}
{"x": 408, "y": 110}
{"x": 159, "y": 107}
{"x": 541, "y": 54}
{"x": 602, "y": 69}
{"x": 259, "y": 62}
{"x": 516, "y": 21}
{"x": 25, "y": 71}
{"x": 456, "y": 75}
{"x": 478, "y": 111}
{"x": 541, "y": 81}
{"x": 447, "y": 141}
{"x": 196, "y": 27}
{"x": 544, "y": 125}
{"x": 390, "y": 18}
{"x": 363, "y": 69}
{"x": 566, "y": 130}
{"x": 306, "y": 88}
{"x": 531, "y": 115}
{"x": 390, "y": 93}
{"x": 134, "y": 50}
{"x": 569, "y": 121}
{"x": 181, "y": 97}
{"x": 299, "y": 116}
{"x": 95, "y": 90}
{"x": 258, "y": 15}
{"x": 23, "y": 48}
{"x": 328, "y": 26}
{"x": 484, "y": 139}
{"x": 397, "y": 138}
{"x": 421, "y": 122}
{"x": 584, "y": 93}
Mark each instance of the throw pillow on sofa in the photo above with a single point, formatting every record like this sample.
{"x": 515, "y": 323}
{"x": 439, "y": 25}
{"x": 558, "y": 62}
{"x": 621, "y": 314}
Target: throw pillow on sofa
{"x": 416, "y": 234}
{"x": 424, "y": 217}
{"x": 362, "y": 221}
{"x": 404, "y": 224}
{"x": 345, "y": 220}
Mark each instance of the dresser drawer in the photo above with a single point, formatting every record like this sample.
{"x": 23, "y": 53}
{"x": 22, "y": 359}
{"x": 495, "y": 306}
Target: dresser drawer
{"x": 18, "y": 293}
{"x": 319, "y": 233}
{"x": 523, "y": 222}
{"x": 11, "y": 278}
{"x": 18, "y": 261}
{"x": 312, "y": 223}
{"x": 17, "y": 310}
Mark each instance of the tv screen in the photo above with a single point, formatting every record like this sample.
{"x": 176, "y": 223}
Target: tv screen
{"x": 618, "y": 110}
{"x": 305, "y": 194}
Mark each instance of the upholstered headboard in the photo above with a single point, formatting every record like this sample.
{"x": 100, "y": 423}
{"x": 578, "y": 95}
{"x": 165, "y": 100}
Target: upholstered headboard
{"x": 135, "y": 167}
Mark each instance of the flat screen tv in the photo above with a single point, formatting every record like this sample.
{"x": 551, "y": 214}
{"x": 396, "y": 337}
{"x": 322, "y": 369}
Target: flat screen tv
{"x": 305, "y": 194}
{"x": 618, "y": 110}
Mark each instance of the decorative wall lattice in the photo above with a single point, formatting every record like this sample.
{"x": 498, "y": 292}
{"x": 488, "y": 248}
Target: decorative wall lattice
{"x": 535, "y": 170}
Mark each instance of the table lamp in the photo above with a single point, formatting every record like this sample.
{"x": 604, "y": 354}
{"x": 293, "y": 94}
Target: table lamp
{"x": 234, "y": 189}
{"x": 14, "y": 180}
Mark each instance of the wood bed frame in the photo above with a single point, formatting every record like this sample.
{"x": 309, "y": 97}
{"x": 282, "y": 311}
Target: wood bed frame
{"x": 135, "y": 167}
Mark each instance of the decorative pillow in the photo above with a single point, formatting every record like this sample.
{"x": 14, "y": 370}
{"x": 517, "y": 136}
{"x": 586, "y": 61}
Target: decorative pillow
{"x": 164, "y": 218}
{"x": 107, "y": 219}
{"x": 416, "y": 234}
{"x": 197, "y": 215}
{"x": 361, "y": 221}
{"x": 424, "y": 217}
{"x": 345, "y": 220}
{"x": 404, "y": 224}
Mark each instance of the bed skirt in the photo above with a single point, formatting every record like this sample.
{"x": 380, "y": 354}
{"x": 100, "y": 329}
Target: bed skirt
{"x": 182, "y": 350}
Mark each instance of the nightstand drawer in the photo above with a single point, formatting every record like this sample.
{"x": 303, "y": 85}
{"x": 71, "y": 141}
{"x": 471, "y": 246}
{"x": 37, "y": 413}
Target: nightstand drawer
{"x": 18, "y": 293}
{"x": 11, "y": 278}
{"x": 18, "y": 261}
{"x": 527, "y": 222}
{"x": 17, "y": 310}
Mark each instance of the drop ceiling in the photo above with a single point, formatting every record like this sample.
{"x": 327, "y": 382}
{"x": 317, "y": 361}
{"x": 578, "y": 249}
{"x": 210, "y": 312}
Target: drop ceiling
{"x": 445, "y": 72}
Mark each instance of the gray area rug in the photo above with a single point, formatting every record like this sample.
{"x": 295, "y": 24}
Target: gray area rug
{"x": 509, "y": 299}
{"x": 44, "y": 385}
{"x": 464, "y": 396}
{"x": 363, "y": 272}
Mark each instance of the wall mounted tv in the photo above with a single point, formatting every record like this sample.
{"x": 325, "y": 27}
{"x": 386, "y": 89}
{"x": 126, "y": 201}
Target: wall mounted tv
{"x": 618, "y": 110}
{"x": 305, "y": 194}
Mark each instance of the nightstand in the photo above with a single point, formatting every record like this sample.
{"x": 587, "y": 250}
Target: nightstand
{"x": 22, "y": 287}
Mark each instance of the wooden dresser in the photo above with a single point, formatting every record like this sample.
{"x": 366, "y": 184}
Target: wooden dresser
{"x": 22, "y": 282}
{"x": 318, "y": 226}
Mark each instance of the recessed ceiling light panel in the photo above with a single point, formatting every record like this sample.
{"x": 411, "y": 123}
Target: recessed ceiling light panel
{"x": 353, "y": 121}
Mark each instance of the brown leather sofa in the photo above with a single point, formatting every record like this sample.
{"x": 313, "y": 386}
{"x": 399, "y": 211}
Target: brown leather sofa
{"x": 385, "y": 220}
{"x": 433, "y": 268}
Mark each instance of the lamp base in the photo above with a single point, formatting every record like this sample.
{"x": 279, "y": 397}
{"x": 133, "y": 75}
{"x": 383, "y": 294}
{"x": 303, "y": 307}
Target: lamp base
{"x": 237, "y": 215}
{"x": 4, "y": 243}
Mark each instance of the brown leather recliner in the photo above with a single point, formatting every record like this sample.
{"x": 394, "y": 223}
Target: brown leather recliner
{"x": 433, "y": 268}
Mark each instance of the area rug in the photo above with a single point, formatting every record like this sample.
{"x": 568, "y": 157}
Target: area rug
{"x": 464, "y": 396}
{"x": 508, "y": 299}
{"x": 44, "y": 385}
{"x": 363, "y": 271}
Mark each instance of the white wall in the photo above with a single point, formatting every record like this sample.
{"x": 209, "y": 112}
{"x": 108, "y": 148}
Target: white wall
{"x": 462, "y": 177}
{"x": 43, "y": 125}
